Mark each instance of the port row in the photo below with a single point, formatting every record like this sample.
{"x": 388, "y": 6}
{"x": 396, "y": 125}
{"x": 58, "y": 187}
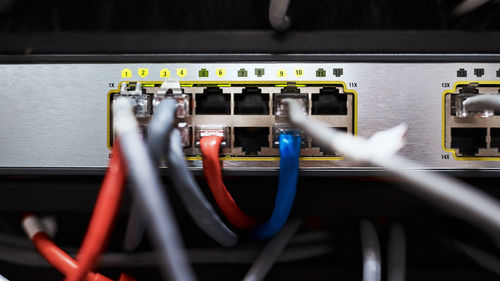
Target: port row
{"x": 251, "y": 117}
{"x": 471, "y": 134}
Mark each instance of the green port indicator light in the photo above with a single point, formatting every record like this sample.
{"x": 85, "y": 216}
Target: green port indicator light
{"x": 203, "y": 73}
{"x": 242, "y": 72}
{"x": 259, "y": 72}
{"x": 320, "y": 72}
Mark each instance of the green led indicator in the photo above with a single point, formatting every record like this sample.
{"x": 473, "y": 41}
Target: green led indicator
{"x": 242, "y": 72}
{"x": 203, "y": 73}
{"x": 259, "y": 72}
{"x": 320, "y": 72}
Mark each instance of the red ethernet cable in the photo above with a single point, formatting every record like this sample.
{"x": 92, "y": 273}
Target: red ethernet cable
{"x": 211, "y": 169}
{"x": 103, "y": 217}
{"x": 55, "y": 255}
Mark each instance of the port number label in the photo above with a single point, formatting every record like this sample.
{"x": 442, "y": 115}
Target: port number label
{"x": 353, "y": 84}
{"x": 445, "y": 156}
{"x": 143, "y": 72}
{"x": 181, "y": 72}
{"x": 220, "y": 72}
{"x": 164, "y": 73}
{"x": 126, "y": 73}
{"x": 242, "y": 72}
{"x": 281, "y": 73}
{"x": 320, "y": 72}
{"x": 299, "y": 72}
{"x": 445, "y": 85}
{"x": 259, "y": 72}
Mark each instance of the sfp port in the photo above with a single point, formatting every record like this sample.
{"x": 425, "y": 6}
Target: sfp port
{"x": 457, "y": 100}
{"x": 213, "y": 102}
{"x": 212, "y": 130}
{"x": 282, "y": 128}
{"x": 495, "y": 137}
{"x": 289, "y": 92}
{"x": 468, "y": 140}
{"x": 251, "y": 139}
{"x": 251, "y": 102}
{"x": 329, "y": 102}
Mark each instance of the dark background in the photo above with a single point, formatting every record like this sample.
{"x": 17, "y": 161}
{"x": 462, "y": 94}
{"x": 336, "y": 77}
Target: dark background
{"x": 333, "y": 204}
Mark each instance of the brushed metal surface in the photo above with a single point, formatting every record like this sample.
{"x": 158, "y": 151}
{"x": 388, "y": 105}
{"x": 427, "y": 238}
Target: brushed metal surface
{"x": 55, "y": 115}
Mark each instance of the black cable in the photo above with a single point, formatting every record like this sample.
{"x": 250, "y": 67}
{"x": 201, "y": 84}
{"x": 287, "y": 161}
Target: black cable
{"x": 198, "y": 206}
{"x": 271, "y": 252}
{"x": 396, "y": 254}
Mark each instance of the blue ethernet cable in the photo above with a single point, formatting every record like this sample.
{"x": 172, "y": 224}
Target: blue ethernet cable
{"x": 289, "y": 170}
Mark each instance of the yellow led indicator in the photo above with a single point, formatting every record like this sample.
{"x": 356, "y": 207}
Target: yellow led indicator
{"x": 281, "y": 73}
{"x": 126, "y": 73}
{"x": 181, "y": 72}
{"x": 299, "y": 72}
{"x": 220, "y": 72}
{"x": 164, "y": 73}
{"x": 143, "y": 72}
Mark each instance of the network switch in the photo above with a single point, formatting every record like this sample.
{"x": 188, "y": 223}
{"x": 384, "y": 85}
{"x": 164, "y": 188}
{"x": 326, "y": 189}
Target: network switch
{"x": 60, "y": 115}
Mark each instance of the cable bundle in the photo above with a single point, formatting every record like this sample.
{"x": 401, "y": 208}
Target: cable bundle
{"x": 289, "y": 145}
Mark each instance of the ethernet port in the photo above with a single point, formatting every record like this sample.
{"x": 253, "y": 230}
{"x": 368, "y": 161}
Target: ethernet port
{"x": 289, "y": 92}
{"x": 468, "y": 140}
{"x": 251, "y": 139}
{"x": 495, "y": 137}
{"x": 326, "y": 150}
{"x": 329, "y": 102}
{"x": 251, "y": 102}
{"x": 213, "y": 102}
{"x": 280, "y": 128}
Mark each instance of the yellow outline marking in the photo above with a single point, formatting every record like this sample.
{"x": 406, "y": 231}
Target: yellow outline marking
{"x": 220, "y": 72}
{"x": 143, "y": 72}
{"x": 181, "y": 72}
{"x": 126, "y": 73}
{"x": 229, "y": 84}
{"x": 298, "y": 72}
{"x": 443, "y": 121}
{"x": 165, "y": 73}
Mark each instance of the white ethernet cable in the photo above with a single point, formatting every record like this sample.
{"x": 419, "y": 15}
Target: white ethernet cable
{"x": 278, "y": 17}
{"x": 481, "y": 102}
{"x": 456, "y": 197}
{"x": 468, "y": 6}
{"x": 372, "y": 263}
